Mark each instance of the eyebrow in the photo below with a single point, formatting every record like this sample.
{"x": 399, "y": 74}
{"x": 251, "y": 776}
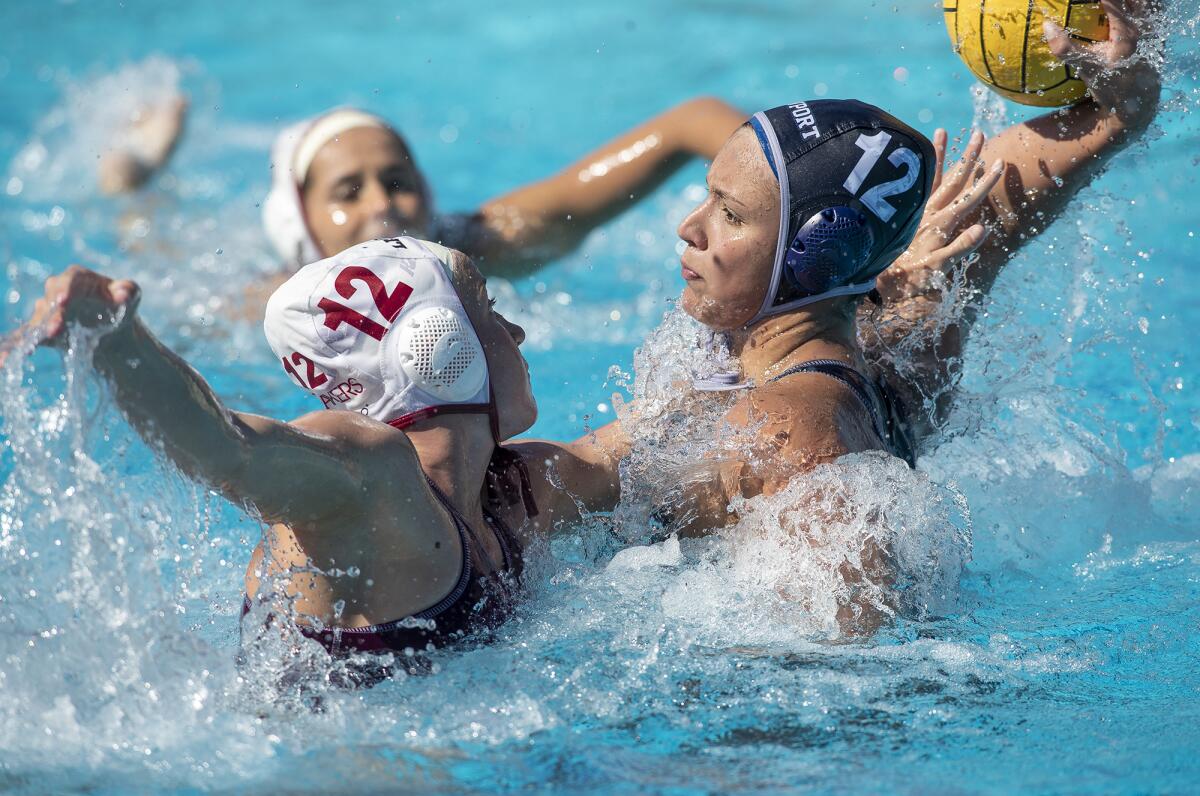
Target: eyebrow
{"x": 725, "y": 197}
{"x": 351, "y": 177}
{"x": 354, "y": 176}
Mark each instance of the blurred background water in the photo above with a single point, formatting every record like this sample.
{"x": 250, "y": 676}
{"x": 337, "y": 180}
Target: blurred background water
{"x": 1065, "y": 660}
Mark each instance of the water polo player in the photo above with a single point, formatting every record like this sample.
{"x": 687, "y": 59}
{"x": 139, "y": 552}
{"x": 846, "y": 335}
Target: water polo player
{"x": 346, "y": 176}
{"x": 384, "y": 539}
{"x": 808, "y": 204}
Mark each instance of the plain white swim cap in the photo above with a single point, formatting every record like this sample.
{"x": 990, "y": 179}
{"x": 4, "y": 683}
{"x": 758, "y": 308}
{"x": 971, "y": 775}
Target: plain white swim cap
{"x": 379, "y": 329}
{"x": 291, "y": 155}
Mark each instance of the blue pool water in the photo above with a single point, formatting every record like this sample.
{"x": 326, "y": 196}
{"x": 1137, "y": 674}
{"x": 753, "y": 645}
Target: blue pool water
{"x": 1064, "y": 658}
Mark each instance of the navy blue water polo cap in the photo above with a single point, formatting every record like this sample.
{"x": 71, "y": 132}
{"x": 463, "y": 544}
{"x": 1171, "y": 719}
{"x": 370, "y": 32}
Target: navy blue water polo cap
{"x": 853, "y": 182}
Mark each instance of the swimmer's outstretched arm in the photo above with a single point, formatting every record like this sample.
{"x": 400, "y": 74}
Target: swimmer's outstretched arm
{"x": 310, "y": 474}
{"x": 573, "y": 478}
{"x": 1050, "y": 158}
{"x": 1044, "y": 162}
{"x": 548, "y": 218}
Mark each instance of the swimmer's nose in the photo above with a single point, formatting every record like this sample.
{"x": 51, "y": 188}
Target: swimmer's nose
{"x": 517, "y": 332}
{"x": 376, "y": 199}
{"x": 691, "y": 229}
{"x": 407, "y": 206}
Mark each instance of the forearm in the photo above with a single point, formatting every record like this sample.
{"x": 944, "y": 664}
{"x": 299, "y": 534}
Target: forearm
{"x": 553, "y": 215}
{"x": 165, "y": 399}
{"x": 1050, "y": 159}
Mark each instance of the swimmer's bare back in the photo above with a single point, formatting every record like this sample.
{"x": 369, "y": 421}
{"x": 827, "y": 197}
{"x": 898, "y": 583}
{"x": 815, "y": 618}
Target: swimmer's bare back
{"x": 344, "y": 494}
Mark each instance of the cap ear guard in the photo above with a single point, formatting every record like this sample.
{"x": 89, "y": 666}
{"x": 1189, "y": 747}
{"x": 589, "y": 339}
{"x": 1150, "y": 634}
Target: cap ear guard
{"x": 828, "y": 251}
{"x": 282, "y": 211}
{"x": 440, "y": 353}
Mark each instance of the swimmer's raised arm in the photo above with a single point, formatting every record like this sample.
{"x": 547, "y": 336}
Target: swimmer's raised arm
{"x": 145, "y": 148}
{"x": 1044, "y": 163}
{"x": 1050, "y": 158}
{"x": 550, "y": 217}
{"x": 301, "y": 474}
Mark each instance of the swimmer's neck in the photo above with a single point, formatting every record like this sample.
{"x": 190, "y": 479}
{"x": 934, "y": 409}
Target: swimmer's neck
{"x": 455, "y": 451}
{"x": 822, "y": 331}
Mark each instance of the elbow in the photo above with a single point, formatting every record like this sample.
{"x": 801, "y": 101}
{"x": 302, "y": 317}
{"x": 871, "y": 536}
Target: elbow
{"x": 710, "y": 105}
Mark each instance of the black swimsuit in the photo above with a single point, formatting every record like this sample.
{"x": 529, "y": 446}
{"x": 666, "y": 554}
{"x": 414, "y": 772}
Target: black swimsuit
{"x": 477, "y": 602}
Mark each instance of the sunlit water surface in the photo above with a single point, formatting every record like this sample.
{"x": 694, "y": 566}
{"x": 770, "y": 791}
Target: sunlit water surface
{"x": 1049, "y": 634}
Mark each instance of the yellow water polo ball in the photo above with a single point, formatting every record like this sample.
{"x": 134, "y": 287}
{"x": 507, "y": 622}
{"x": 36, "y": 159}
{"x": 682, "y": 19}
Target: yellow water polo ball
{"x": 1001, "y": 42}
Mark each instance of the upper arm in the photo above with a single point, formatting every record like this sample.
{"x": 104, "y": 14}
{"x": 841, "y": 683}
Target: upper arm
{"x": 574, "y": 477}
{"x": 318, "y": 468}
{"x": 808, "y": 420}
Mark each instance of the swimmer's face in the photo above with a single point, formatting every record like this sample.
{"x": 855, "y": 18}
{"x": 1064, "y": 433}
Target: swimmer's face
{"x": 731, "y": 237}
{"x": 364, "y": 185}
{"x": 501, "y": 339}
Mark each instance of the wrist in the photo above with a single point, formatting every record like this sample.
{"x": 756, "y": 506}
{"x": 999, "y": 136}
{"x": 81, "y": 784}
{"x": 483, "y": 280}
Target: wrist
{"x": 123, "y": 339}
{"x": 1132, "y": 106}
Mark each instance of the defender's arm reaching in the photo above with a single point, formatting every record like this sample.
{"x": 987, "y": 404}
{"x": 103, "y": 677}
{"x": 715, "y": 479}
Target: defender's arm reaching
{"x": 250, "y": 459}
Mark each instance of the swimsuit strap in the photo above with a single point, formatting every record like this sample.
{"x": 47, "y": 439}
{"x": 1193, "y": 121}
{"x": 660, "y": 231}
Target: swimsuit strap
{"x": 503, "y": 489}
{"x": 504, "y": 536}
{"x": 465, "y": 534}
{"x": 867, "y": 392}
{"x": 499, "y": 529}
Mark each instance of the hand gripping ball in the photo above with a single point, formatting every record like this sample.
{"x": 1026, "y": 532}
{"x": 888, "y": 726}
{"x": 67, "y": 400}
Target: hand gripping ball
{"x": 1001, "y": 42}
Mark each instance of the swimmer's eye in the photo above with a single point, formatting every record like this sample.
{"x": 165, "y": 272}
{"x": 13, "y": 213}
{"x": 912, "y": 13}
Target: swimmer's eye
{"x": 730, "y": 216}
{"x": 491, "y": 303}
{"x": 346, "y": 192}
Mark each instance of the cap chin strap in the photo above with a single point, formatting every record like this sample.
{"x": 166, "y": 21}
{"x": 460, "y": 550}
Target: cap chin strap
{"x": 845, "y": 290}
{"x": 489, "y": 409}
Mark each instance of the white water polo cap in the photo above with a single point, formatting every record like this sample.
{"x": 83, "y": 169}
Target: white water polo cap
{"x": 291, "y": 156}
{"x": 379, "y": 329}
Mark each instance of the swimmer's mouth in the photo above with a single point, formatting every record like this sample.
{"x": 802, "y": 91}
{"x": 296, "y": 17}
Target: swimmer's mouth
{"x": 688, "y": 273}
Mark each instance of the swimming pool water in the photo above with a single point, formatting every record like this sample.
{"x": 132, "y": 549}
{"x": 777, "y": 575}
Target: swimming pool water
{"x": 1065, "y": 659}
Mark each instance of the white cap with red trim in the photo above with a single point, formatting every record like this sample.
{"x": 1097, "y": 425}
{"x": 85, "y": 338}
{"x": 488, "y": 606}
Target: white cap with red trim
{"x": 379, "y": 329}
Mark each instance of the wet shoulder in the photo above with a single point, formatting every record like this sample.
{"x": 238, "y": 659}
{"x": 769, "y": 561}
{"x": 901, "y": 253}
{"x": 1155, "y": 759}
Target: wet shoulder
{"x": 393, "y": 484}
{"x": 808, "y": 418}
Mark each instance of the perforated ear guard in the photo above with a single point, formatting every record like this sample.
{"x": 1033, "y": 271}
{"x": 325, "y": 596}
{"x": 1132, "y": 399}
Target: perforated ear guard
{"x": 828, "y": 251}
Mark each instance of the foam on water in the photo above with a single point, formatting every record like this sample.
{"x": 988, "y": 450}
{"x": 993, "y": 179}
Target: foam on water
{"x": 1044, "y": 638}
